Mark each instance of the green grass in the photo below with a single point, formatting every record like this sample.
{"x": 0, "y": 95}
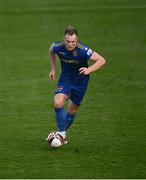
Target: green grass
{"x": 108, "y": 138}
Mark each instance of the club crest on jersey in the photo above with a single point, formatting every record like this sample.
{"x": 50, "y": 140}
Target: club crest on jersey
{"x": 75, "y": 53}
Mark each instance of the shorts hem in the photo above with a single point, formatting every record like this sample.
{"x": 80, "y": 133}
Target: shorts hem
{"x": 62, "y": 93}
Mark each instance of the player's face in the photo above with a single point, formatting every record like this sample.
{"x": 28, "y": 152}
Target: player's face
{"x": 70, "y": 42}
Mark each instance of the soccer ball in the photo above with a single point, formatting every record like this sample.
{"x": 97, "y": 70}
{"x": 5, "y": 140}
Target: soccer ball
{"x": 55, "y": 139}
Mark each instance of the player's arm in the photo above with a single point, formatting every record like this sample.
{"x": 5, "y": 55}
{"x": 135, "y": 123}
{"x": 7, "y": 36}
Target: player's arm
{"x": 52, "y": 58}
{"x": 98, "y": 60}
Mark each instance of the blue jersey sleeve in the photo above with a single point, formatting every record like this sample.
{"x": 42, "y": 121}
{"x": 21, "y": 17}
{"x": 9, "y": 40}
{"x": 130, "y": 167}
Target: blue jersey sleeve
{"x": 53, "y": 48}
{"x": 87, "y": 52}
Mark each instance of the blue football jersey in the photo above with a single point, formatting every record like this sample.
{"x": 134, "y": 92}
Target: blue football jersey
{"x": 72, "y": 61}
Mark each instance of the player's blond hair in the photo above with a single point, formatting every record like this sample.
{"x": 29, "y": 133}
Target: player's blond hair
{"x": 70, "y": 30}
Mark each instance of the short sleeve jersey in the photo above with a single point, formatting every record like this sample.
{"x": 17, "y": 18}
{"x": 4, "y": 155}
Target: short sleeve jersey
{"x": 72, "y": 61}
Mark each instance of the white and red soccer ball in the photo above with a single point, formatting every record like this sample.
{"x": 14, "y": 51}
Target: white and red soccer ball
{"x": 55, "y": 139}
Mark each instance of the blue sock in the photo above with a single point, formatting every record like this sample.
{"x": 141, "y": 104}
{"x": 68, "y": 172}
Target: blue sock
{"x": 69, "y": 120}
{"x": 60, "y": 118}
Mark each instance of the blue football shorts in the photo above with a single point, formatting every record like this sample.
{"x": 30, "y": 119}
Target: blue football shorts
{"x": 74, "y": 89}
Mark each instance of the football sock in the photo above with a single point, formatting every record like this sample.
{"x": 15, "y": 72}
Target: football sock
{"x": 69, "y": 120}
{"x": 60, "y": 118}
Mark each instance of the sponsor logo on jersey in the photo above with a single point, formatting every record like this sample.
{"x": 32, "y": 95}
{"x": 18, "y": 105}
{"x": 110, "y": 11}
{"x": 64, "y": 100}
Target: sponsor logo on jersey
{"x": 70, "y": 61}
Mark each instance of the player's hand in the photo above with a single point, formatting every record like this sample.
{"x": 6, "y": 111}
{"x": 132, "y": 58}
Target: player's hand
{"x": 52, "y": 75}
{"x": 84, "y": 70}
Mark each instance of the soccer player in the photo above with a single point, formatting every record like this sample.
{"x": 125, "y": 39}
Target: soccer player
{"x": 74, "y": 77}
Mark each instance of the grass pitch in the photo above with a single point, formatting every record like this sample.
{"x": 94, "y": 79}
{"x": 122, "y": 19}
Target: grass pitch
{"x": 108, "y": 138}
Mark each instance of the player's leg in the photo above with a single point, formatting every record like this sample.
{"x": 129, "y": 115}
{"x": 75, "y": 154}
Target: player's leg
{"x": 70, "y": 116}
{"x": 77, "y": 95}
{"x": 61, "y": 94}
{"x": 59, "y": 101}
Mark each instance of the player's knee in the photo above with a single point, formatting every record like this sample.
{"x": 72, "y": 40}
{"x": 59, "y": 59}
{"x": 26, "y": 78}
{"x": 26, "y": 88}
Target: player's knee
{"x": 59, "y": 100}
{"x": 58, "y": 103}
{"x": 73, "y": 109}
